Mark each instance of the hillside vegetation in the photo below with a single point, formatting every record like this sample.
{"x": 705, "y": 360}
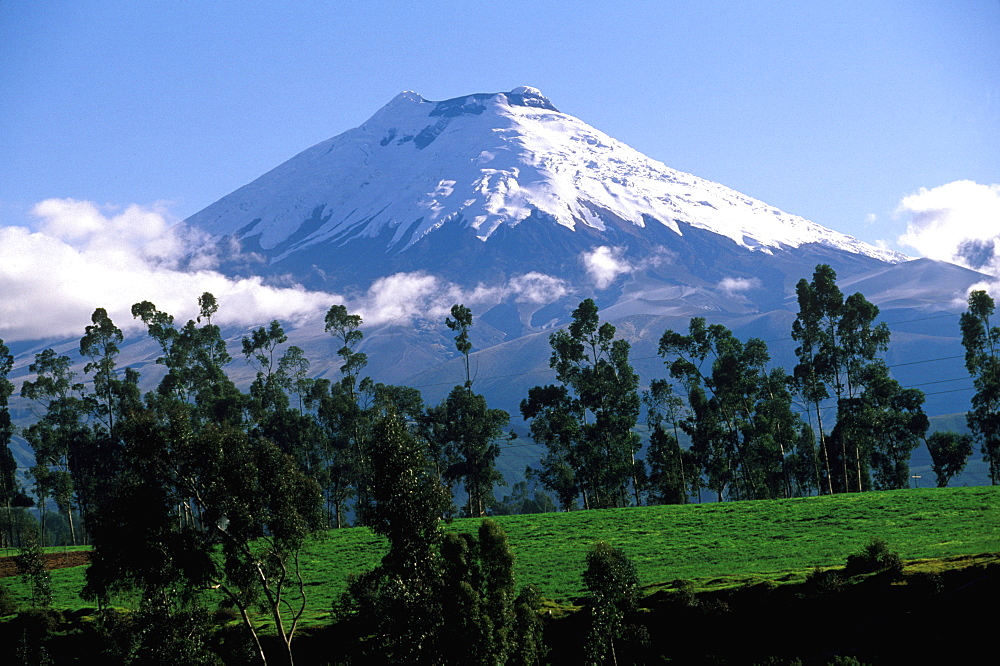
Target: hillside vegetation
{"x": 709, "y": 544}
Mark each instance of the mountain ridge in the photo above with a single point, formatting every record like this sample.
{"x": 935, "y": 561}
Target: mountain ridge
{"x": 483, "y": 163}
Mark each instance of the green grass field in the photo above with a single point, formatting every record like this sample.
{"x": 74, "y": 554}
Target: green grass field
{"x": 711, "y": 544}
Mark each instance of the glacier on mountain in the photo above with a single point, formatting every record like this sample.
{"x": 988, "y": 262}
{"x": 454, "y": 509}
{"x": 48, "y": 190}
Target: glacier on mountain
{"x": 488, "y": 161}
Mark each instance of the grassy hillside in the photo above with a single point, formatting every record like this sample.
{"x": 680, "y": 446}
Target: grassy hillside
{"x": 707, "y": 543}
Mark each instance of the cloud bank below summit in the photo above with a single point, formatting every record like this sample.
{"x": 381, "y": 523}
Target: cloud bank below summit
{"x": 81, "y": 256}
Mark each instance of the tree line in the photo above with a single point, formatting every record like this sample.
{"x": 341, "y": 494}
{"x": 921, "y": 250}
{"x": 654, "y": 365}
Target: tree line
{"x": 723, "y": 420}
{"x": 198, "y": 484}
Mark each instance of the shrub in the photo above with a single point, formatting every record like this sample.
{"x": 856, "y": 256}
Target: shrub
{"x": 7, "y": 604}
{"x": 823, "y": 581}
{"x": 684, "y": 592}
{"x": 874, "y": 558}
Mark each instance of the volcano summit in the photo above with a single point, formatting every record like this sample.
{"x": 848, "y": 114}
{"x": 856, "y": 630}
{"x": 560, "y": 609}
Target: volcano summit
{"x": 490, "y": 186}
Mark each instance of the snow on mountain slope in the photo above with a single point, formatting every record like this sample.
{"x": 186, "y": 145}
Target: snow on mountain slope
{"x": 486, "y": 161}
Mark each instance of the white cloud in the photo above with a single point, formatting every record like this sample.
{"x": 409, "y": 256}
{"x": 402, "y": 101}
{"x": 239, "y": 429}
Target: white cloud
{"x": 957, "y": 222}
{"x": 605, "y": 263}
{"x": 403, "y": 297}
{"x": 82, "y": 257}
{"x": 731, "y": 286}
{"x": 537, "y": 288}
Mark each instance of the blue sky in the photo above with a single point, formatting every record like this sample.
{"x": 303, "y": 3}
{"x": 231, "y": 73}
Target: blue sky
{"x": 832, "y": 111}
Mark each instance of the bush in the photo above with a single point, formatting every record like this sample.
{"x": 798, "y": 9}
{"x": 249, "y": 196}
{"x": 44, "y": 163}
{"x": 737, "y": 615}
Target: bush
{"x": 874, "y": 558}
{"x": 7, "y": 604}
{"x": 823, "y": 581}
{"x": 684, "y": 592}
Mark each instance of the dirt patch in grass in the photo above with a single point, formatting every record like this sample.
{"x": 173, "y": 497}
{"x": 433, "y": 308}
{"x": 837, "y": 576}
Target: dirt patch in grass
{"x": 8, "y": 565}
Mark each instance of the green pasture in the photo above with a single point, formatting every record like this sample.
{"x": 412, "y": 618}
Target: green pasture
{"x": 707, "y": 543}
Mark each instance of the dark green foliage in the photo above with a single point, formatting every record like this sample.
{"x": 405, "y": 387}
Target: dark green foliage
{"x": 398, "y": 601}
{"x": 34, "y": 628}
{"x": 822, "y": 582}
{"x": 684, "y": 592}
{"x": 982, "y": 342}
{"x": 669, "y": 467}
{"x": 529, "y": 645}
{"x": 950, "y": 452}
{"x": 874, "y": 558}
{"x": 266, "y": 393}
{"x": 740, "y": 421}
{"x": 838, "y": 340}
{"x": 461, "y": 323}
{"x": 613, "y": 584}
{"x": 186, "y": 481}
{"x": 31, "y": 566}
{"x": 468, "y": 431}
{"x": 262, "y": 507}
{"x": 878, "y": 423}
{"x": 556, "y": 422}
{"x": 11, "y": 493}
{"x": 194, "y": 357}
{"x": 521, "y": 501}
{"x": 586, "y": 424}
{"x": 159, "y": 635}
{"x": 889, "y": 424}
{"x": 145, "y": 536}
{"x": 477, "y": 597}
{"x": 58, "y": 433}
{"x": 464, "y": 431}
{"x": 447, "y": 600}
{"x": 7, "y": 604}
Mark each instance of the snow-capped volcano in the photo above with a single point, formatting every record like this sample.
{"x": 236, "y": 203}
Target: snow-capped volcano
{"x": 478, "y": 165}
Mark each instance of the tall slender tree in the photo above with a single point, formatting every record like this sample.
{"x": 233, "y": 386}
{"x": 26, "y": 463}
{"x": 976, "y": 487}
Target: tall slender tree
{"x": 11, "y": 493}
{"x": 838, "y": 340}
{"x": 599, "y": 390}
{"x": 55, "y": 435}
{"x": 981, "y": 340}
{"x": 468, "y": 429}
{"x": 668, "y": 463}
{"x": 398, "y": 603}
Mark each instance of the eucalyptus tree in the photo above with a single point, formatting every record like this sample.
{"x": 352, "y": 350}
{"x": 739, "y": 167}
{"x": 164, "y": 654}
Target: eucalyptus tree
{"x": 57, "y": 432}
{"x": 950, "y": 452}
{"x": 838, "y": 341}
{"x": 100, "y": 344}
{"x": 195, "y": 357}
{"x": 612, "y": 580}
{"x": 890, "y": 423}
{"x": 196, "y": 499}
{"x": 347, "y": 424}
{"x": 802, "y": 464}
{"x": 259, "y": 349}
{"x": 557, "y": 423}
{"x": 465, "y": 430}
{"x": 740, "y": 421}
{"x": 293, "y": 375}
{"x": 478, "y": 594}
{"x": 399, "y": 602}
{"x": 981, "y": 340}
{"x": 11, "y": 493}
{"x": 251, "y": 510}
{"x": 113, "y": 397}
{"x": 669, "y": 465}
{"x": 600, "y": 393}
{"x": 461, "y": 323}
{"x": 777, "y": 429}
